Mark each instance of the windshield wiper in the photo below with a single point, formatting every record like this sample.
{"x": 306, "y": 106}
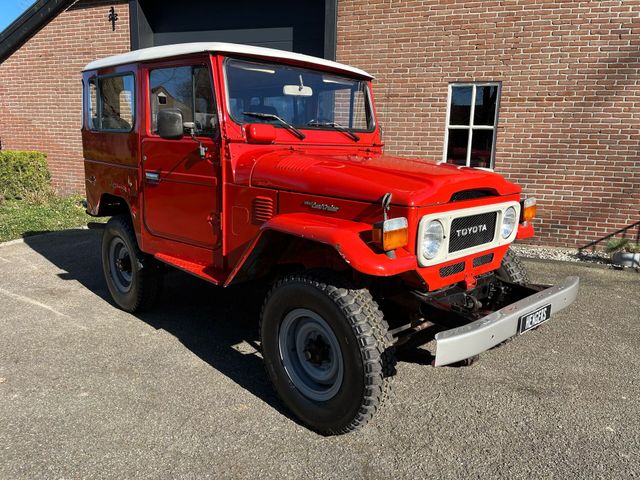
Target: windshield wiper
{"x": 286, "y": 124}
{"x": 336, "y": 126}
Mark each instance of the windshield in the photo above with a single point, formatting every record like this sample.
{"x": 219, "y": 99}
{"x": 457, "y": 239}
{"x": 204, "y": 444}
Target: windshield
{"x": 300, "y": 97}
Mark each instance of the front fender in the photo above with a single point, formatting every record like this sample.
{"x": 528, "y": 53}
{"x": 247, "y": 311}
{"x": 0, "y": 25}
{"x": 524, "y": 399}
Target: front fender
{"x": 343, "y": 235}
{"x": 525, "y": 230}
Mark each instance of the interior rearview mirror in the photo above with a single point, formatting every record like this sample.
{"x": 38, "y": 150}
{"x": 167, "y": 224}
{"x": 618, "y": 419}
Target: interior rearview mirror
{"x": 297, "y": 90}
{"x": 170, "y": 124}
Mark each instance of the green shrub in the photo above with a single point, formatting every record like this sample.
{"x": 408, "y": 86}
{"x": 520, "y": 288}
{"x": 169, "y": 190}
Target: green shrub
{"x": 622, "y": 245}
{"x": 23, "y": 175}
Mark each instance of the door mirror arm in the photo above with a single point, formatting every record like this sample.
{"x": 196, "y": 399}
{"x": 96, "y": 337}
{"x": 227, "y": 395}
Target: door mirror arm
{"x": 190, "y": 127}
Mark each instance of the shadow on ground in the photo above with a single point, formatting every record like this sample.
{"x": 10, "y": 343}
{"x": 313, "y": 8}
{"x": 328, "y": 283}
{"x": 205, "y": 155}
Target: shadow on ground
{"x": 219, "y": 326}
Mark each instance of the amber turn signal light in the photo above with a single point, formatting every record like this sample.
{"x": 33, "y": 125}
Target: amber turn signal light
{"x": 529, "y": 209}
{"x": 391, "y": 234}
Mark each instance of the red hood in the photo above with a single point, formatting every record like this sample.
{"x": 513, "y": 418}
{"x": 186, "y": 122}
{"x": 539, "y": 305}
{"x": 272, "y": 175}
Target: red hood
{"x": 412, "y": 182}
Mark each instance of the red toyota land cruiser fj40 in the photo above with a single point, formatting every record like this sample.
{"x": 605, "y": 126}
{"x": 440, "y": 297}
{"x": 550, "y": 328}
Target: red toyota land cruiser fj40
{"x": 238, "y": 163}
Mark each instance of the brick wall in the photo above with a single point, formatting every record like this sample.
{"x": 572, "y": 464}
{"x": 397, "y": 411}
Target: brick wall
{"x": 570, "y": 107}
{"x": 40, "y": 85}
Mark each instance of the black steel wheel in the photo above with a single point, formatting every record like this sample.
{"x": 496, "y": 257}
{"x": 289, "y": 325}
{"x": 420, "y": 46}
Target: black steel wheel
{"x": 327, "y": 350}
{"x": 133, "y": 278}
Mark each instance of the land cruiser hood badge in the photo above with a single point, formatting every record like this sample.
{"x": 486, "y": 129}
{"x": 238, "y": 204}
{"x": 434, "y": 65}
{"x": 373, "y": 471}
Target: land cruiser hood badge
{"x": 325, "y": 207}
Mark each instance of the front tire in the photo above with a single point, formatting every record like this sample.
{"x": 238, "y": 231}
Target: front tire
{"x": 327, "y": 350}
{"x": 133, "y": 278}
{"x": 512, "y": 270}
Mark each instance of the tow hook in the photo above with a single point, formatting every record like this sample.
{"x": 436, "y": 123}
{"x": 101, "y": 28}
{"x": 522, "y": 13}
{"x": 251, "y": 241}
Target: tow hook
{"x": 470, "y": 282}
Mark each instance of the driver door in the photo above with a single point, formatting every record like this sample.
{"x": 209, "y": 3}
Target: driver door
{"x": 182, "y": 189}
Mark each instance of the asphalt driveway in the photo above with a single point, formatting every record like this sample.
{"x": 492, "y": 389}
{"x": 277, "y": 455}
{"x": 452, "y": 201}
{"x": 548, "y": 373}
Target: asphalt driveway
{"x": 88, "y": 391}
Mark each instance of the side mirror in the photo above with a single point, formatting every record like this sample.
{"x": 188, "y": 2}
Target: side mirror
{"x": 260, "y": 133}
{"x": 170, "y": 124}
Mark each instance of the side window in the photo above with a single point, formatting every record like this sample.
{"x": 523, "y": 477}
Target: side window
{"x": 187, "y": 89}
{"x": 205, "y": 114}
{"x": 471, "y": 124}
{"x": 116, "y": 107}
{"x": 92, "y": 105}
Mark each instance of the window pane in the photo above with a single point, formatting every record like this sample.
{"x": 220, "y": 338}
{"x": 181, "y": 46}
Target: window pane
{"x": 267, "y": 88}
{"x": 486, "y": 99}
{"x": 92, "y": 106}
{"x": 116, "y": 96}
{"x": 205, "y": 114}
{"x": 460, "y": 113}
{"x": 457, "y": 148}
{"x": 335, "y": 106}
{"x": 481, "y": 147}
{"x": 359, "y": 118}
{"x": 171, "y": 88}
{"x": 283, "y": 106}
{"x": 345, "y": 106}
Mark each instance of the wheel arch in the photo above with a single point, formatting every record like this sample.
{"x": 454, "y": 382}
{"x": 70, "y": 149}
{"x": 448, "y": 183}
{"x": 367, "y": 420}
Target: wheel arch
{"x": 275, "y": 252}
{"x": 110, "y": 205}
{"x": 317, "y": 241}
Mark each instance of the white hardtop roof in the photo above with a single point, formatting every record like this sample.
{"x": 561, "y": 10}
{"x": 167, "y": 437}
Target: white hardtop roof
{"x": 165, "y": 51}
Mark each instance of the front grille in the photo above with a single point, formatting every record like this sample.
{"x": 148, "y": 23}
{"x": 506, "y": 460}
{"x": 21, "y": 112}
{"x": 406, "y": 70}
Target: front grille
{"x": 483, "y": 260}
{"x": 451, "y": 269}
{"x": 472, "y": 231}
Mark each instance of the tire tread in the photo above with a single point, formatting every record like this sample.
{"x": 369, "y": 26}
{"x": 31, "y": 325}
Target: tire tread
{"x": 370, "y": 328}
{"x": 512, "y": 269}
{"x": 149, "y": 276}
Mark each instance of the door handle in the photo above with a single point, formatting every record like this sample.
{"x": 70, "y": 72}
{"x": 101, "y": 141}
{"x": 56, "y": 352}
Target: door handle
{"x": 152, "y": 177}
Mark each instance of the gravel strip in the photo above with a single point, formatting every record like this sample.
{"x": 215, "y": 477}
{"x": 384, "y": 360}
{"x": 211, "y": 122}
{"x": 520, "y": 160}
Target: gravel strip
{"x": 562, "y": 254}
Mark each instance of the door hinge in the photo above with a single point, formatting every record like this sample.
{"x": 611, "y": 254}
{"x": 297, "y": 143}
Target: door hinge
{"x": 215, "y": 220}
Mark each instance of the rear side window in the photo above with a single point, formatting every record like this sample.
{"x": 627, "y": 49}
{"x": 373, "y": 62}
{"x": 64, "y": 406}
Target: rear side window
{"x": 188, "y": 89}
{"x": 110, "y": 104}
{"x": 92, "y": 105}
{"x": 116, "y": 98}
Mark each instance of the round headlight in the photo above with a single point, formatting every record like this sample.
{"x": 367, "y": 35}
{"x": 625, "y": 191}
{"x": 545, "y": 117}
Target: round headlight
{"x": 432, "y": 239}
{"x": 509, "y": 222}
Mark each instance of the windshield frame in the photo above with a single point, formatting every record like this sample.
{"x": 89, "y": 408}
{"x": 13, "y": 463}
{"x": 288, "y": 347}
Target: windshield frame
{"x": 267, "y": 62}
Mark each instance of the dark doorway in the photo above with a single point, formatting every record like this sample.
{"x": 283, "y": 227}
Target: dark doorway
{"x": 304, "y": 27}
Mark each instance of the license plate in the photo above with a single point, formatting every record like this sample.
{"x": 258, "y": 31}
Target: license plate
{"x": 533, "y": 319}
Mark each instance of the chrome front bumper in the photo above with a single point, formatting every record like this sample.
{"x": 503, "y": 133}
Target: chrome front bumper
{"x": 464, "y": 342}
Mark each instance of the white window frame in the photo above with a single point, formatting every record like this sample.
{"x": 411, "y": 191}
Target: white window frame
{"x": 471, "y": 127}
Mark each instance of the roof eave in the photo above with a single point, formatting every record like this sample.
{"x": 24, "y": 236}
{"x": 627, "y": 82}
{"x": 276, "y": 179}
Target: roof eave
{"x": 28, "y": 24}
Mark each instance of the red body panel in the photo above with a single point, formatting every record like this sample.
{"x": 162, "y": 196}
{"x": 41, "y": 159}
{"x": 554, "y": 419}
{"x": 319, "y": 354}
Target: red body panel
{"x": 525, "y": 230}
{"x": 346, "y": 237}
{"x": 206, "y": 215}
{"x": 367, "y": 178}
{"x": 184, "y": 202}
{"x": 111, "y": 163}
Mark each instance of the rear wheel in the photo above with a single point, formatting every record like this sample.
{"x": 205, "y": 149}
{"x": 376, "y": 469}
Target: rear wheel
{"x": 327, "y": 351}
{"x": 133, "y": 278}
